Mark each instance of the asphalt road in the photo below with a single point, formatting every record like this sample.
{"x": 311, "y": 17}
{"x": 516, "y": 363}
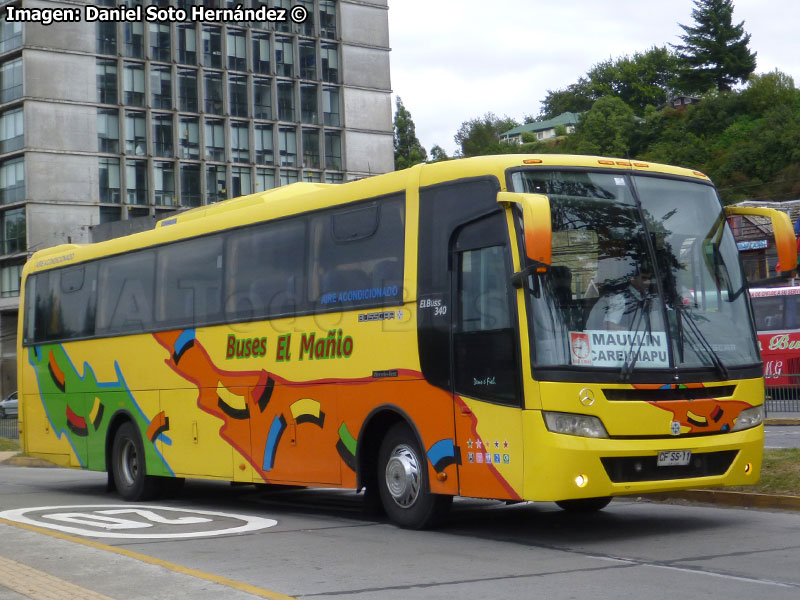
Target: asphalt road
{"x": 782, "y": 436}
{"x": 319, "y": 544}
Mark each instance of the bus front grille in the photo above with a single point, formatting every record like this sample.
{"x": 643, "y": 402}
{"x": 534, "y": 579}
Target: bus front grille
{"x": 627, "y": 469}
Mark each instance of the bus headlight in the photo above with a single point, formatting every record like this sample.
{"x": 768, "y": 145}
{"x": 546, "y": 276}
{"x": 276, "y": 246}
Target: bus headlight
{"x": 574, "y": 424}
{"x": 751, "y": 417}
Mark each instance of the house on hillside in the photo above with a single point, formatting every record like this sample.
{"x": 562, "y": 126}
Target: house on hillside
{"x": 543, "y": 130}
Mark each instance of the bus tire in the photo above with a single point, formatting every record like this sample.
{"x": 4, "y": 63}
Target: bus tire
{"x": 403, "y": 482}
{"x": 129, "y": 466}
{"x": 584, "y": 505}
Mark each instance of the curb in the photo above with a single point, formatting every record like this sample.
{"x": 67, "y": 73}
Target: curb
{"x": 740, "y": 499}
{"x": 782, "y": 421}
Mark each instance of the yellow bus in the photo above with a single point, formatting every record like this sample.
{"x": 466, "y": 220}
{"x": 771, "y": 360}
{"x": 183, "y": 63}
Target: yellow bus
{"x": 519, "y": 327}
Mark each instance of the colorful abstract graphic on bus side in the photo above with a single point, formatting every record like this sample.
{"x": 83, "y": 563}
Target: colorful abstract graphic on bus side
{"x": 79, "y": 407}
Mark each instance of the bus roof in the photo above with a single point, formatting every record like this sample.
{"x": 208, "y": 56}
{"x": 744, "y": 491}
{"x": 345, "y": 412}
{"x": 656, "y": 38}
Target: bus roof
{"x": 303, "y": 197}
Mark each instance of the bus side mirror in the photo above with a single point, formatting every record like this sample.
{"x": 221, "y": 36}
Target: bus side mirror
{"x": 536, "y": 223}
{"x": 782, "y": 230}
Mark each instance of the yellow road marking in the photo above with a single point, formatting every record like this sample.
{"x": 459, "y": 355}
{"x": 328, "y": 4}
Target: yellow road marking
{"x": 38, "y": 585}
{"x": 231, "y": 583}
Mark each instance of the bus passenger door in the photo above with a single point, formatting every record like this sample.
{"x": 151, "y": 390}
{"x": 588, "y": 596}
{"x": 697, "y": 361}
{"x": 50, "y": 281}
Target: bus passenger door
{"x": 485, "y": 360}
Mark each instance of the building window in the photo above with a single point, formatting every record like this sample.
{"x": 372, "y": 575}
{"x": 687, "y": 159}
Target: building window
{"x": 14, "y": 231}
{"x": 327, "y": 19}
{"x": 106, "y": 81}
{"x": 12, "y": 135}
{"x": 287, "y": 140}
{"x": 215, "y": 140}
{"x": 109, "y": 180}
{"x": 107, "y": 130}
{"x": 311, "y": 156}
{"x": 240, "y": 182}
{"x": 133, "y": 83}
{"x": 261, "y": 58}
{"x": 333, "y": 150}
{"x": 312, "y": 176}
{"x": 164, "y": 184}
{"x": 11, "y": 80}
{"x": 330, "y": 106}
{"x": 334, "y": 178}
{"x": 187, "y": 44}
{"x": 10, "y": 35}
{"x": 237, "y": 95}
{"x": 308, "y": 59}
{"x": 135, "y": 134}
{"x": 212, "y": 47}
{"x": 265, "y": 179}
{"x": 215, "y": 183}
{"x": 329, "y": 54}
{"x": 284, "y": 26}
{"x": 213, "y": 91}
{"x": 11, "y": 276}
{"x": 288, "y": 177}
{"x": 307, "y": 26}
{"x": 262, "y": 99}
{"x": 162, "y": 135}
{"x": 237, "y": 50}
{"x": 285, "y": 101}
{"x": 190, "y": 138}
{"x": 187, "y": 90}
{"x": 190, "y": 185}
{"x": 12, "y": 181}
{"x": 161, "y": 87}
{"x": 136, "y": 181}
{"x": 106, "y": 37}
{"x": 309, "y": 111}
{"x": 265, "y": 146}
{"x": 133, "y": 39}
{"x": 160, "y": 48}
{"x": 284, "y": 57}
{"x": 240, "y": 142}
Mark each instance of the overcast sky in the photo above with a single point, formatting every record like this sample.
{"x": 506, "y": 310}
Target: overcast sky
{"x": 454, "y": 60}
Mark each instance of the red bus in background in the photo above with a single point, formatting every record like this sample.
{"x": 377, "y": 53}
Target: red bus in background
{"x": 777, "y": 318}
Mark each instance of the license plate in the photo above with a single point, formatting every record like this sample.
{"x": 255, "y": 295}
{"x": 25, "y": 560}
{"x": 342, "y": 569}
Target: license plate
{"x": 674, "y": 458}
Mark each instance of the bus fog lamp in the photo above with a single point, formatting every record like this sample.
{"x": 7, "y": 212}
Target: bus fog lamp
{"x": 749, "y": 418}
{"x": 574, "y": 424}
{"x": 581, "y": 481}
{"x": 748, "y": 469}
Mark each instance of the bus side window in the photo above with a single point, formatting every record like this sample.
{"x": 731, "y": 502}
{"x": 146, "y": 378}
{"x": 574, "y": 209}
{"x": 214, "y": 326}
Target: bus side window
{"x": 768, "y": 312}
{"x": 126, "y": 292}
{"x": 356, "y": 255}
{"x": 190, "y": 282}
{"x": 792, "y": 312}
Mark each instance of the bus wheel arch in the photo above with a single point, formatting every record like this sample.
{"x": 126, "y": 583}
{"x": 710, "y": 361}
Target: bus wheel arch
{"x": 392, "y": 465}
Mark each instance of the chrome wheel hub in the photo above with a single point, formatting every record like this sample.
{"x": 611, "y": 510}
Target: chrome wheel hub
{"x": 403, "y": 476}
{"x": 129, "y": 463}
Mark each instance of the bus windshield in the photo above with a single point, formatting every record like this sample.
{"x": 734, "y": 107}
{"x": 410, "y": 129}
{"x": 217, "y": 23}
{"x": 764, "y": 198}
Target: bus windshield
{"x": 644, "y": 274}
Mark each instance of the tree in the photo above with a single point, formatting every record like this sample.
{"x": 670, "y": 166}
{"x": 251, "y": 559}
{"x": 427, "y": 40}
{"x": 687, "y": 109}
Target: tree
{"x": 438, "y": 153}
{"x": 715, "y": 52}
{"x": 607, "y": 128}
{"x": 482, "y": 136}
{"x": 407, "y": 149}
{"x": 644, "y": 79}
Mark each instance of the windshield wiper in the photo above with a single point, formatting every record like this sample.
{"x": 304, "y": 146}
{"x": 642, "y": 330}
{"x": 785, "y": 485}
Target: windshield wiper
{"x": 720, "y": 367}
{"x": 643, "y": 307}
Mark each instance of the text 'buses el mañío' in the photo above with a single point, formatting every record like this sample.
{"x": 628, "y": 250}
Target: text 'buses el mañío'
{"x": 553, "y": 328}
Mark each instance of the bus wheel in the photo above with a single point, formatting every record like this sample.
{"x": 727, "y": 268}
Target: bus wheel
{"x": 584, "y": 505}
{"x": 129, "y": 468}
{"x": 403, "y": 482}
